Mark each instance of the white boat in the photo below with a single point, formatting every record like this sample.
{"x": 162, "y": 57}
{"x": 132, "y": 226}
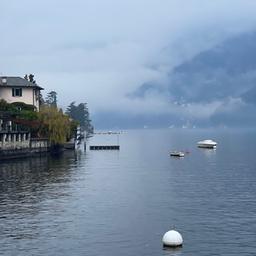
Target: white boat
{"x": 177, "y": 153}
{"x": 207, "y": 144}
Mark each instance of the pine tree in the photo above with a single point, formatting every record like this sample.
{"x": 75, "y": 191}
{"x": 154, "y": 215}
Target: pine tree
{"x": 80, "y": 113}
{"x": 51, "y": 99}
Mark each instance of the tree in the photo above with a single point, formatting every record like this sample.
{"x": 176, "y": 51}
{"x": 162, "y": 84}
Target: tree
{"x": 49, "y": 122}
{"x": 51, "y": 99}
{"x": 55, "y": 125}
{"x": 31, "y": 78}
{"x": 80, "y": 113}
{"x": 71, "y": 109}
{"x": 41, "y": 99}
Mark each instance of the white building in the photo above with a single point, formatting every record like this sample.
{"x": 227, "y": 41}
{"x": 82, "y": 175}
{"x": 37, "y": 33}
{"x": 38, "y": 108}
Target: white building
{"x": 17, "y": 89}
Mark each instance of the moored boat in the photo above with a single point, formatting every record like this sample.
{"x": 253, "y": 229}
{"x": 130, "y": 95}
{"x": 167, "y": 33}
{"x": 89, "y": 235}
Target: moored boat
{"x": 207, "y": 144}
{"x": 177, "y": 153}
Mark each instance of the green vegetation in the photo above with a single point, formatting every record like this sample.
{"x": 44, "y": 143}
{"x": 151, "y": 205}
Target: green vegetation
{"x": 51, "y": 99}
{"x": 54, "y": 125}
{"x": 30, "y": 78}
{"x": 19, "y": 110}
{"x": 80, "y": 113}
{"x": 50, "y": 122}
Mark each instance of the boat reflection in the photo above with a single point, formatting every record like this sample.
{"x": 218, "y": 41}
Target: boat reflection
{"x": 169, "y": 251}
{"x": 209, "y": 152}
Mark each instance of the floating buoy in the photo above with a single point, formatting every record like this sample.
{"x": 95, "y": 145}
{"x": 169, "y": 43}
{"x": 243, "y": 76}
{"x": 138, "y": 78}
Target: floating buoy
{"x": 172, "y": 238}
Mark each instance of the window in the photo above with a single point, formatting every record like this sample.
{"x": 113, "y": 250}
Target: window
{"x": 16, "y": 92}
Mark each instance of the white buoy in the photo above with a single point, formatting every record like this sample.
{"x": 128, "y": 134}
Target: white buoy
{"x": 172, "y": 238}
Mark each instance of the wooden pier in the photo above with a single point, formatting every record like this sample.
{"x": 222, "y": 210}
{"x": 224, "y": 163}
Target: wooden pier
{"x": 108, "y": 147}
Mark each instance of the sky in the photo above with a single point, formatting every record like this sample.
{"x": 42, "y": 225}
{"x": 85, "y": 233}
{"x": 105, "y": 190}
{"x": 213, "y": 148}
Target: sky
{"x": 100, "y": 51}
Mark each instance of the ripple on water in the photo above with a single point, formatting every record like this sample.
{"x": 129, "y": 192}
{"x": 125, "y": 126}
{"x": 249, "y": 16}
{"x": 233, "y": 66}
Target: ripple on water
{"x": 122, "y": 202}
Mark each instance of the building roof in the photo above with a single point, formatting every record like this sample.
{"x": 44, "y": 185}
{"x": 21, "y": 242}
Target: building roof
{"x": 11, "y": 81}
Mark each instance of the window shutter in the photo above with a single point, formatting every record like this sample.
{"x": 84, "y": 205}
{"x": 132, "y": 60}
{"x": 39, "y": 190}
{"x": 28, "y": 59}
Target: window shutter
{"x": 13, "y": 92}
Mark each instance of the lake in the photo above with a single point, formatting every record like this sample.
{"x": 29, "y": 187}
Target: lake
{"x": 122, "y": 202}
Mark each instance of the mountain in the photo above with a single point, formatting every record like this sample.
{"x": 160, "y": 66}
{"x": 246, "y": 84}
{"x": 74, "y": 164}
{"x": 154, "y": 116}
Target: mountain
{"x": 227, "y": 70}
{"x": 145, "y": 89}
{"x": 223, "y": 77}
{"x": 116, "y": 120}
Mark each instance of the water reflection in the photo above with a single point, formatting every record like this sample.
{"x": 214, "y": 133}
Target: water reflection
{"x": 121, "y": 203}
{"x": 23, "y": 181}
{"x": 18, "y": 173}
{"x": 32, "y": 191}
{"x": 209, "y": 152}
{"x": 168, "y": 251}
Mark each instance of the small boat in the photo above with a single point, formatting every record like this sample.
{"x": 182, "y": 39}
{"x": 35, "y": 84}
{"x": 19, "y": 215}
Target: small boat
{"x": 207, "y": 144}
{"x": 177, "y": 153}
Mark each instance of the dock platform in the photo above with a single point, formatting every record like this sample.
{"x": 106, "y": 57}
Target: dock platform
{"x": 108, "y": 147}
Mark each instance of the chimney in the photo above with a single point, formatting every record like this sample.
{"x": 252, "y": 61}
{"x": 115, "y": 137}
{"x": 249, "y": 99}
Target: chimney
{"x": 4, "y": 80}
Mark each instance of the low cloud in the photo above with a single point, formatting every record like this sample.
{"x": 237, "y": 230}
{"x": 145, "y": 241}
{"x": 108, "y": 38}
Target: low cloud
{"x": 100, "y": 51}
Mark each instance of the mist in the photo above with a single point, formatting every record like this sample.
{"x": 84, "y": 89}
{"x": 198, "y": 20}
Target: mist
{"x": 104, "y": 52}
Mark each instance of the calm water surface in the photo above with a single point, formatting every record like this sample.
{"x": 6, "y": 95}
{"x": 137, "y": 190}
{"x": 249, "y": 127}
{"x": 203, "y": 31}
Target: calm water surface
{"x": 122, "y": 202}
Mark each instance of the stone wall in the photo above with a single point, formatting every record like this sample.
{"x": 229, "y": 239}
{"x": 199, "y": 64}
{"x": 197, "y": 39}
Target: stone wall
{"x": 14, "y": 140}
{"x": 19, "y": 144}
{"x": 39, "y": 145}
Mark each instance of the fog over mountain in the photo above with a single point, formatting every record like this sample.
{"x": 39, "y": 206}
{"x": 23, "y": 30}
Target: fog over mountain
{"x": 138, "y": 63}
{"x": 217, "y": 87}
{"x": 226, "y": 70}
